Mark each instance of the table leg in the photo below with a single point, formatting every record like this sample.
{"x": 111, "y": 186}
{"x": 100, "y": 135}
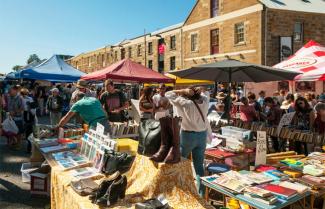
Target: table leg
{"x": 207, "y": 194}
{"x": 312, "y": 201}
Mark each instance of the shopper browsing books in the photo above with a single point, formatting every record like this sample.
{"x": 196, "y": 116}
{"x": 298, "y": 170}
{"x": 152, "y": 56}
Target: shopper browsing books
{"x": 114, "y": 102}
{"x": 192, "y": 106}
{"x": 89, "y": 109}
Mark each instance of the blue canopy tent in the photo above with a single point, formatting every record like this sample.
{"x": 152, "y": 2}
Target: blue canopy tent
{"x": 15, "y": 75}
{"x": 54, "y": 69}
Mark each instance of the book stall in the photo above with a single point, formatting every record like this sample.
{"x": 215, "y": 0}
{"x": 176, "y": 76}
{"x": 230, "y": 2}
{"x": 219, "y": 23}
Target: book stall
{"x": 79, "y": 165}
{"x": 240, "y": 169}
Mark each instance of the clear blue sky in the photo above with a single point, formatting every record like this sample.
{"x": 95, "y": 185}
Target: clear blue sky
{"x": 47, "y": 27}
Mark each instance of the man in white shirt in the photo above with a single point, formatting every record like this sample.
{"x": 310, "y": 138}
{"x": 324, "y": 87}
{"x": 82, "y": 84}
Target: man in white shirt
{"x": 162, "y": 105}
{"x": 192, "y": 106}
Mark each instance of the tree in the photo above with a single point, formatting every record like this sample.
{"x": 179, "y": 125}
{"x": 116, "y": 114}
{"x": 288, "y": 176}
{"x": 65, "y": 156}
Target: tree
{"x": 16, "y": 67}
{"x": 32, "y": 58}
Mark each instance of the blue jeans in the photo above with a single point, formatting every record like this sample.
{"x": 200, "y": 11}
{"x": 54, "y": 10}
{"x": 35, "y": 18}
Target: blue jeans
{"x": 195, "y": 143}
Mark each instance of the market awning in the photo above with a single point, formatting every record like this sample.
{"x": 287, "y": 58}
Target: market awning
{"x": 128, "y": 71}
{"x": 309, "y": 60}
{"x": 186, "y": 82}
{"x": 54, "y": 69}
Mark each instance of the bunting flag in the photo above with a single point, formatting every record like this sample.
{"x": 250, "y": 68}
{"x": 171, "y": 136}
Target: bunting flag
{"x": 309, "y": 60}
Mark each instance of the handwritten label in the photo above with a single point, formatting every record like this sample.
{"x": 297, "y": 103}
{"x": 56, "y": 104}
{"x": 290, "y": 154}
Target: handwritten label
{"x": 261, "y": 148}
{"x": 100, "y": 129}
{"x": 285, "y": 121}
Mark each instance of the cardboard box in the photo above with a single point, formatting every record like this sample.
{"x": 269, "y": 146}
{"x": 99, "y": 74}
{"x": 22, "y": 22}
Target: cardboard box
{"x": 40, "y": 181}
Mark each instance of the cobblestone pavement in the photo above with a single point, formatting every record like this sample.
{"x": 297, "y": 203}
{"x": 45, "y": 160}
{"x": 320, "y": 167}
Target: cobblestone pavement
{"x": 14, "y": 194}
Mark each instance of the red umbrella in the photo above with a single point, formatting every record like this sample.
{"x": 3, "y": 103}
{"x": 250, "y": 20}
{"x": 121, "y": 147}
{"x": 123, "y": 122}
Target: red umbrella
{"x": 127, "y": 70}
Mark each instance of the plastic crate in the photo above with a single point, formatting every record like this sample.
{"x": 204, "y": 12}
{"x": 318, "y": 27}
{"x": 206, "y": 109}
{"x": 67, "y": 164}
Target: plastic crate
{"x": 26, "y": 169}
{"x": 236, "y": 132}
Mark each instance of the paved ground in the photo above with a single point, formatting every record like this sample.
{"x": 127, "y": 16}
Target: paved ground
{"x": 14, "y": 194}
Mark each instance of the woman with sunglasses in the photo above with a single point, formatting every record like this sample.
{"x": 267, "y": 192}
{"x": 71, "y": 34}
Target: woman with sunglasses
{"x": 303, "y": 120}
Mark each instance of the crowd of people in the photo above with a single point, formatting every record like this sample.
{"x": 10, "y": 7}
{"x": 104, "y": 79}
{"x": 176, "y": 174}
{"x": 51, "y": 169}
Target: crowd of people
{"x": 309, "y": 112}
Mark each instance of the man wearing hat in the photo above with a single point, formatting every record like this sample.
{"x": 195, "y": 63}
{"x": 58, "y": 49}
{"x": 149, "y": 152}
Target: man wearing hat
{"x": 82, "y": 86}
{"x": 54, "y": 105}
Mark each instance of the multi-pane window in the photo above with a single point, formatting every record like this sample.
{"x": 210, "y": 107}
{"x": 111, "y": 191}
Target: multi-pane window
{"x": 130, "y": 52}
{"x": 215, "y": 41}
{"x": 173, "y": 42}
{"x": 115, "y": 55}
{"x": 194, "y": 42}
{"x": 298, "y": 32}
{"x": 214, "y": 8}
{"x": 150, "y": 48}
{"x": 139, "y": 52}
{"x": 172, "y": 63}
{"x": 150, "y": 64}
{"x": 122, "y": 53}
{"x": 239, "y": 33}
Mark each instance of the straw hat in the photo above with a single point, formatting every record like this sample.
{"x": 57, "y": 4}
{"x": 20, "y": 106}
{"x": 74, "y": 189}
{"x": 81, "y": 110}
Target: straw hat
{"x": 285, "y": 105}
{"x": 221, "y": 95}
{"x": 82, "y": 84}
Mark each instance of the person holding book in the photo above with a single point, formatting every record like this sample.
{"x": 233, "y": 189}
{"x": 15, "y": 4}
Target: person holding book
{"x": 90, "y": 110}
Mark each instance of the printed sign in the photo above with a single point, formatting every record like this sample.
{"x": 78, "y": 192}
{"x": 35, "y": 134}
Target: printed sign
{"x": 285, "y": 121}
{"x": 261, "y": 148}
{"x": 100, "y": 129}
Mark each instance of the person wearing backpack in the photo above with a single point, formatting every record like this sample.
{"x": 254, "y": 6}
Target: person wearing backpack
{"x": 113, "y": 102}
{"x": 54, "y": 106}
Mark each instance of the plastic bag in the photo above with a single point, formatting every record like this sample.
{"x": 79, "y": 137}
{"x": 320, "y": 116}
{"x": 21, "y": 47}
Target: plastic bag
{"x": 9, "y": 125}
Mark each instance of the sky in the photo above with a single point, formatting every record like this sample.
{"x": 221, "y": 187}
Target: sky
{"x": 47, "y": 27}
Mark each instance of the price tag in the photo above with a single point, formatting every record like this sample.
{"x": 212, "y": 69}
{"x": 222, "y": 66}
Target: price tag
{"x": 100, "y": 129}
{"x": 261, "y": 148}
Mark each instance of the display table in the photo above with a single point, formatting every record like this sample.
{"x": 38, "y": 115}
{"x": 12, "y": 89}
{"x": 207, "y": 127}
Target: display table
{"x": 280, "y": 204}
{"x": 145, "y": 180}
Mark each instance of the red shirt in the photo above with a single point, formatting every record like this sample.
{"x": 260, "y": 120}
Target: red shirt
{"x": 247, "y": 113}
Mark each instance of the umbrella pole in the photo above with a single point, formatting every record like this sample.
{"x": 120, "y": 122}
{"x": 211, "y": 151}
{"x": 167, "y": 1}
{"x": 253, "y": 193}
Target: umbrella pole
{"x": 229, "y": 98}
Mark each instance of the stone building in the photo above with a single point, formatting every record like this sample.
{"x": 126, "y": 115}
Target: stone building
{"x": 256, "y": 31}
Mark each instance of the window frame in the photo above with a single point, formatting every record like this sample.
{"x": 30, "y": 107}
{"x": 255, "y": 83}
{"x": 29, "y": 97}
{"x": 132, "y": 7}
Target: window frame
{"x": 150, "y": 48}
{"x": 139, "y": 50}
{"x": 212, "y": 50}
{"x": 150, "y": 62}
{"x": 130, "y": 51}
{"x": 301, "y": 32}
{"x": 170, "y": 63}
{"x": 172, "y": 42}
{"x": 237, "y": 33}
{"x": 214, "y": 8}
{"x": 194, "y": 45}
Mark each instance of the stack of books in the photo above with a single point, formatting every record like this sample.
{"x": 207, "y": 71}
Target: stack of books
{"x": 276, "y": 175}
{"x": 47, "y": 142}
{"x": 260, "y": 195}
{"x": 120, "y": 129}
{"x": 279, "y": 191}
{"x": 301, "y": 189}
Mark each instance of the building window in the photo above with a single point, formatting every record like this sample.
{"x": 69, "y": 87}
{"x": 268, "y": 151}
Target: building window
{"x": 172, "y": 63}
{"x": 173, "y": 42}
{"x": 150, "y": 48}
{"x": 239, "y": 33}
{"x": 122, "y": 53}
{"x": 115, "y": 55}
{"x": 194, "y": 46}
{"x": 130, "y": 52}
{"x": 298, "y": 32}
{"x": 215, "y": 41}
{"x": 214, "y": 8}
{"x": 150, "y": 64}
{"x": 139, "y": 51}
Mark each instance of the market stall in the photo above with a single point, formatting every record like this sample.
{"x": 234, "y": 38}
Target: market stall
{"x": 54, "y": 69}
{"x": 128, "y": 71}
{"x": 71, "y": 159}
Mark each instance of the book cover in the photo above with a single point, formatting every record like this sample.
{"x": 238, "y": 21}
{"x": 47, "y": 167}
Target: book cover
{"x": 279, "y": 190}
